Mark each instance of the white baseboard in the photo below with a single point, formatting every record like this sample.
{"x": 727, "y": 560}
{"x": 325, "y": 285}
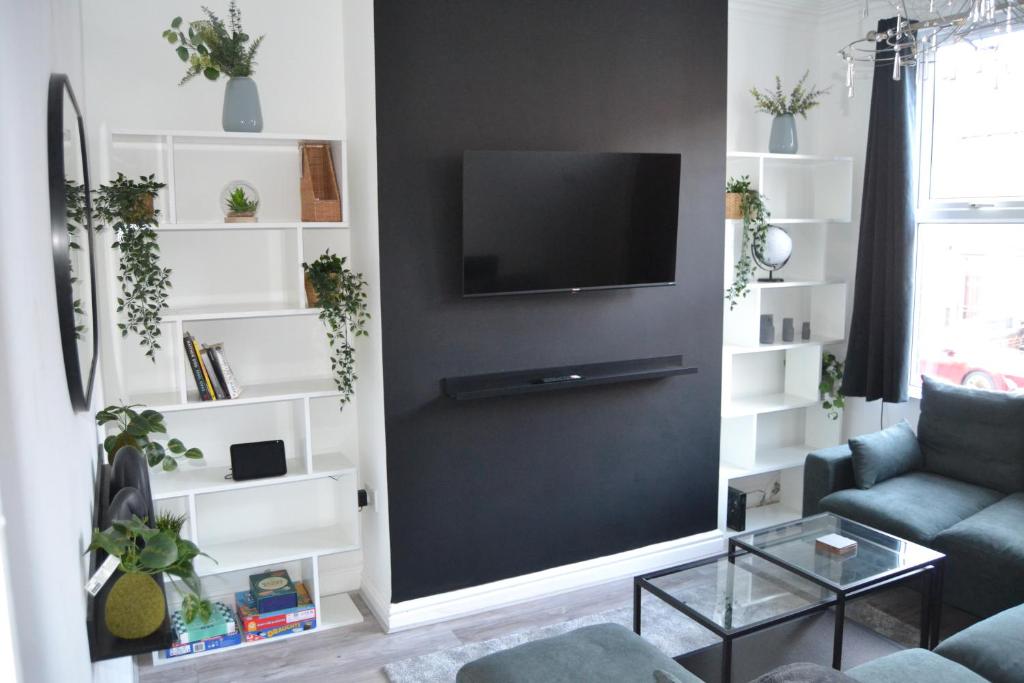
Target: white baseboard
{"x": 376, "y": 602}
{"x": 435, "y": 608}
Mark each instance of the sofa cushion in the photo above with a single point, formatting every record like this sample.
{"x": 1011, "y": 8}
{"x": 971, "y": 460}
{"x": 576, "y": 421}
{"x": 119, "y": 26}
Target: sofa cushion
{"x": 994, "y": 648}
{"x": 973, "y": 435}
{"x": 985, "y": 565}
{"x": 605, "y": 652}
{"x": 915, "y": 506}
{"x": 804, "y": 672}
{"x": 884, "y": 455}
{"x": 913, "y": 665}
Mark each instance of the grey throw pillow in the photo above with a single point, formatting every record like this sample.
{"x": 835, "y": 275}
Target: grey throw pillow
{"x": 802, "y": 672}
{"x": 665, "y": 677}
{"x": 884, "y": 455}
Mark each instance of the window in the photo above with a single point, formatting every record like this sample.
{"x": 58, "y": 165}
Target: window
{"x": 969, "y": 312}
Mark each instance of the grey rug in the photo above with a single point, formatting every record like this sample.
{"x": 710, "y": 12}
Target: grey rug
{"x": 666, "y": 628}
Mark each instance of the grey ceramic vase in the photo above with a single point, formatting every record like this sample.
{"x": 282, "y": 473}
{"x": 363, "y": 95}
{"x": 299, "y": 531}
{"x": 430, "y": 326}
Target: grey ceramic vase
{"x": 767, "y": 335}
{"x": 788, "y": 331}
{"x": 242, "y": 106}
{"x": 783, "y": 139}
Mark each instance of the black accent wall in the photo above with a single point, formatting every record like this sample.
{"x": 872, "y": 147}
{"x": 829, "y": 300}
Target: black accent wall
{"x": 489, "y": 489}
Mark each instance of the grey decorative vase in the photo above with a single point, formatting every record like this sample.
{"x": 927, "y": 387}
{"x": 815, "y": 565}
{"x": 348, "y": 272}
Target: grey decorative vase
{"x": 787, "y": 329}
{"x": 242, "y": 106}
{"x": 767, "y": 329}
{"x": 805, "y": 332}
{"x": 783, "y": 139}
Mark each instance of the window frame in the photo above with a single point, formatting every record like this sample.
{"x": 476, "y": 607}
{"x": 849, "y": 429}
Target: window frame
{"x": 929, "y": 211}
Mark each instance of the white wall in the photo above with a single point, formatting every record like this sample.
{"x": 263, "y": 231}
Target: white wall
{"x": 788, "y": 37}
{"x": 46, "y": 463}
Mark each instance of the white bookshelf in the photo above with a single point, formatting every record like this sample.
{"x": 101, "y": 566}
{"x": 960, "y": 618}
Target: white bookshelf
{"x": 771, "y": 414}
{"x": 242, "y": 284}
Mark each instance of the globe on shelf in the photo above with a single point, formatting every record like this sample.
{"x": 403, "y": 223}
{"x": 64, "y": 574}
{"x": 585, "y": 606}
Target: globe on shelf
{"x": 774, "y": 253}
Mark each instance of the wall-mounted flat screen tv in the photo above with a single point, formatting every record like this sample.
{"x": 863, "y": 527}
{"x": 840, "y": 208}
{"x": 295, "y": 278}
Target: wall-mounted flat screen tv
{"x": 567, "y": 221}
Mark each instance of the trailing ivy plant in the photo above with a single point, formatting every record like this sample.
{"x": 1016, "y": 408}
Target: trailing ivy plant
{"x": 211, "y": 47}
{"x": 755, "y": 230}
{"x": 127, "y": 206}
{"x": 832, "y": 398}
{"x": 134, "y": 429}
{"x": 800, "y": 100}
{"x": 75, "y": 208}
{"x": 341, "y": 295}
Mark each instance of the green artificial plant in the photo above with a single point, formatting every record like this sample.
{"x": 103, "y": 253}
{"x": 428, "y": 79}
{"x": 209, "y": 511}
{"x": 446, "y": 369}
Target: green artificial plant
{"x": 127, "y": 206}
{"x": 800, "y": 99}
{"x": 211, "y": 47}
{"x": 832, "y": 398}
{"x": 134, "y": 428}
{"x": 75, "y": 210}
{"x": 341, "y": 295}
{"x": 239, "y": 202}
{"x": 755, "y": 230}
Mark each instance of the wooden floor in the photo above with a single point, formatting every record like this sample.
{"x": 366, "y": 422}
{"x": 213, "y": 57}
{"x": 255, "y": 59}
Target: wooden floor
{"x": 356, "y": 654}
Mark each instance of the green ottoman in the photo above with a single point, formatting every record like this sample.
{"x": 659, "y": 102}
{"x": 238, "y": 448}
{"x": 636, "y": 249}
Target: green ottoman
{"x": 603, "y": 653}
{"x": 993, "y": 647}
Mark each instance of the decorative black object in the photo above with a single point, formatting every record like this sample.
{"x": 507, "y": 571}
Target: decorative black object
{"x": 805, "y": 331}
{"x": 127, "y": 503}
{"x": 878, "y": 358}
{"x": 553, "y": 379}
{"x": 129, "y": 468}
{"x": 103, "y": 644}
{"x": 767, "y": 329}
{"x": 788, "y": 330}
{"x": 258, "y": 460}
{"x": 71, "y": 238}
{"x": 736, "y": 510}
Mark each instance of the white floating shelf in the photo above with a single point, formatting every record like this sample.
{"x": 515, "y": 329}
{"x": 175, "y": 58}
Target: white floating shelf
{"x": 237, "y": 311}
{"x": 251, "y": 393}
{"x": 757, "y": 405}
{"x": 258, "y": 225}
{"x": 188, "y": 480}
{"x": 769, "y": 460}
{"x": 273, "y": 549}
{"x": 735, "y": 349}
{"x": 789, "y": 284}
{"x": 214, "y": 136}
{"x": 786, "y": 157}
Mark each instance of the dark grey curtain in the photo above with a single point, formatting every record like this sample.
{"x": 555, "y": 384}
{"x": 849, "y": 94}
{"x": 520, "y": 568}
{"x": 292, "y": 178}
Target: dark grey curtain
{"x": 878, "y": 357}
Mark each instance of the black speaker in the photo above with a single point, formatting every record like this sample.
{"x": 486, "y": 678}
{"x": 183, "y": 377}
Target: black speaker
{"x": 257, "y": 460}
{"x": 736, "y": 510}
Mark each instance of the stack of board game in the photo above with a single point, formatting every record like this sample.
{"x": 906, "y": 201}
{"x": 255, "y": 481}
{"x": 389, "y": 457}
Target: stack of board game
{"x": 274, "y": 606}
{"x": 196, "y": 636}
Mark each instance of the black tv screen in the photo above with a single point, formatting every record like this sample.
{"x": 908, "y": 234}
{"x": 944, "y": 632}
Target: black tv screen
{"x": 567, "y": 221}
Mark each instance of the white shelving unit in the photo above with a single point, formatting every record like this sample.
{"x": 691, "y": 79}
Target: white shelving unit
{"x": 771, "y": 415}
{"x": 242, "y": 284}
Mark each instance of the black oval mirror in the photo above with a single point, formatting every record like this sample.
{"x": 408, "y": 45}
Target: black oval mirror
{"x": 71, "y": 234}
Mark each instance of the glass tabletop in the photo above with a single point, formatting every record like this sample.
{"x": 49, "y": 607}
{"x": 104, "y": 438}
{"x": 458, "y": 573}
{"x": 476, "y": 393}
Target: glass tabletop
{"x": 737, "y": 595}
{"x": 876, "y": 556}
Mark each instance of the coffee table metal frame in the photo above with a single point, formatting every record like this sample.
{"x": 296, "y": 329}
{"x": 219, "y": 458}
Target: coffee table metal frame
{"x": 931, "y": 598}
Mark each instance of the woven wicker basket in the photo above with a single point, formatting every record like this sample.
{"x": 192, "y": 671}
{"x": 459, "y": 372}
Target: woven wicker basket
{"x": 318, "y": 186}
{"x": 733, "y": 201}
{"x": 312, "y": 300}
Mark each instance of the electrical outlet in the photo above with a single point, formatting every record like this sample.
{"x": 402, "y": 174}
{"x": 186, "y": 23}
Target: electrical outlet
{"x": 371, "y": 498}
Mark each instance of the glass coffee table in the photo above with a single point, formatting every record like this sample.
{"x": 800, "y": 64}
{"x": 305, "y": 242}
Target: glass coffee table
{"x": 778, "y": 574}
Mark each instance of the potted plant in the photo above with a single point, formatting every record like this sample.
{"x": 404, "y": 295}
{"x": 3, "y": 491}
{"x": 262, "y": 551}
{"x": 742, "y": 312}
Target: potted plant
{"x": 801, "y": 100}
{"x": 211, "y": 48}
{"x": 341, "y": 295}
{"x": 755, "y": 217}
{"x": 240, "y": 206}
{"x": 127, "y": 205}
{"x": 134, "y": 428}
{"x": 832, "y": 398}
{"x": 135, "y": 606}
{"x": 735, "y": 189}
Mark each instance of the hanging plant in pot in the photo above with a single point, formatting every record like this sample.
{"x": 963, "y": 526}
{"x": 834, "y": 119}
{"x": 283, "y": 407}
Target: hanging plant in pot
{"x": 211, "y": 48}
{"x": 135, "y": 606}
{"x": 341, "y": 295}
{"x": 127, "y": 206}
{"x": 783, "y": 138}
{"x": 755, "y": 217}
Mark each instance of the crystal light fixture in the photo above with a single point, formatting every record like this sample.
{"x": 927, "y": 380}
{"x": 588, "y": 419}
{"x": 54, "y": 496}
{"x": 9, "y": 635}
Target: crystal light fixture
{"x": 923, "y": 26}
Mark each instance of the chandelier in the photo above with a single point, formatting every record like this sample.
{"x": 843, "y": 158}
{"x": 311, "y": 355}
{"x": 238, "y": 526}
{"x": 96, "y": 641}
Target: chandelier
{"x": 923, "y": 26}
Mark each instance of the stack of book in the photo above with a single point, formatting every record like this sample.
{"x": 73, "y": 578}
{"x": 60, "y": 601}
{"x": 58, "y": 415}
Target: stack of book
{"x": 274, "y": 606}
{"x": 196, "y": 636}
{"x": 211, "y": 371}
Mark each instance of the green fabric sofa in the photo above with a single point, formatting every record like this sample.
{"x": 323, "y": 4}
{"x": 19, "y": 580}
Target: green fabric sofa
{"x": 967, "y": 499}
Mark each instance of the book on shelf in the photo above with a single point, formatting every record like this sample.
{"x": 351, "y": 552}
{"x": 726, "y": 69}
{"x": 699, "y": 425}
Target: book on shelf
{"x": 215, "y": 352}
{"x": 214, "y": 643}
{"x": 221, "y": 623}
{"x": 274, "y": 631}
{"x": 273, "y": 591}
{"x": 206, "y": 360}
{"x": 192, "y": 355}
{"x": 253, "y": 621}
{"x": 202, "y": 367}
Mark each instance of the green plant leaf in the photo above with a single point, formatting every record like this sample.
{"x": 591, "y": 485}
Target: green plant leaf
{"x": 170, "y": 464}
{"x": 161, "y": 551}
{"x": 176, "y": 446}
{"x": 154, "y": 453}
{"x": 182, "y": 53}
{"x": 176, "y": 22}
{"x": 108, "y": 541}
{"x": 194, "y": 454}
{"x": 211, "y": 73}
{"x": 171, "y": 37}
{"x": 108, "y": 444}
